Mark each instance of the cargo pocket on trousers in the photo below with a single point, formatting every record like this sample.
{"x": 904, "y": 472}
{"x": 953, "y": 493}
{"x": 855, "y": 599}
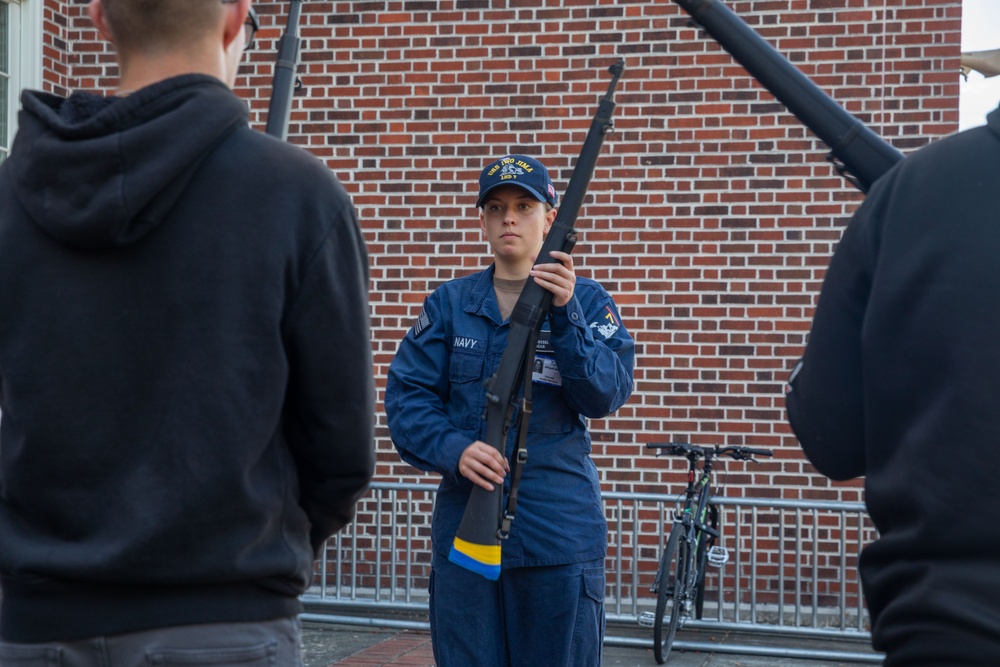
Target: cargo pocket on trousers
{"x": 261, "y": 655}
{"x": 594, "y": 583}
{"x": 21, "y": 655}
{"x": 589, "y": 633}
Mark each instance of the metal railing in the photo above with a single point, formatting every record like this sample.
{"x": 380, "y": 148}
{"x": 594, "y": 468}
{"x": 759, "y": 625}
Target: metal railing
{"x": 792, "y": 571}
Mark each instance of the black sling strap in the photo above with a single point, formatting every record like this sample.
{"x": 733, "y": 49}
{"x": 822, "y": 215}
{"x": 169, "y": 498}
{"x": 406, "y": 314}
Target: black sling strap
{"x": 521, "y": 446}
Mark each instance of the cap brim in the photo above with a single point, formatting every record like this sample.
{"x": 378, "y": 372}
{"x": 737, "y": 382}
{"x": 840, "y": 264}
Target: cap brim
{"x": 533, "y": 191}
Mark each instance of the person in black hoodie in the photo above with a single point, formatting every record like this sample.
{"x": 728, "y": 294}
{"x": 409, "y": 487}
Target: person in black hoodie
{"x": 898, "y": 383}
{"x": 185, "y": 369}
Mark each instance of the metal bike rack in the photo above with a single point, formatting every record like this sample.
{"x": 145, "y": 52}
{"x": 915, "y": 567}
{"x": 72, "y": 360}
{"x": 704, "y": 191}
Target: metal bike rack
{"x": 791, "y": 574}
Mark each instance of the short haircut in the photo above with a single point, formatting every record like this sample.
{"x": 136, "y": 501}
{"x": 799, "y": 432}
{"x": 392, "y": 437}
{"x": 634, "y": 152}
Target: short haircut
{"x": 156, "y": 25}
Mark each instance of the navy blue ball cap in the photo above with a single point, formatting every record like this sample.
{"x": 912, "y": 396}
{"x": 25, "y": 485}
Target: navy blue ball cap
{"x": 521, "y": 170}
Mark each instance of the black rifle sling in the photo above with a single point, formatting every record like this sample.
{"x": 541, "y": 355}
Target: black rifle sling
{"x": 521, "y": 446}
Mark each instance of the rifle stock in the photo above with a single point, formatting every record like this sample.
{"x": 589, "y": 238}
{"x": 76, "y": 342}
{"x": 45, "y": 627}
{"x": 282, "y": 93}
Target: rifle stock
{"x": 283, "y": 85}
{"x": 477, "y": 542}
{"x": 858, "y": 154}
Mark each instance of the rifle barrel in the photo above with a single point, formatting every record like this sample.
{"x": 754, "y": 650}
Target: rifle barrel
{"x": 864, "y": 154}
{"x": 283, "y": 85}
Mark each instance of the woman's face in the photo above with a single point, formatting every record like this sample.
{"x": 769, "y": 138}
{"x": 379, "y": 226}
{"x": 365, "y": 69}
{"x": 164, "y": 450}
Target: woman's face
{"x": 515, "y": 223}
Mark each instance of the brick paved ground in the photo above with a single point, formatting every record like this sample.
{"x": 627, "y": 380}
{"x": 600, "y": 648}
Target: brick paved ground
{"x": 412, "y": 649}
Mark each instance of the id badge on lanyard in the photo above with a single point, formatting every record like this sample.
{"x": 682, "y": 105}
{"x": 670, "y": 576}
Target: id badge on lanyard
{"x": 544, "y": 369}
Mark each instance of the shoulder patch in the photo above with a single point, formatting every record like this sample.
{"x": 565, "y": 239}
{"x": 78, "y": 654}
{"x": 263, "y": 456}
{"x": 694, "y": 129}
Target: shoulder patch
{"x": 608, "y": 325}
{"x": 423, "y": 321}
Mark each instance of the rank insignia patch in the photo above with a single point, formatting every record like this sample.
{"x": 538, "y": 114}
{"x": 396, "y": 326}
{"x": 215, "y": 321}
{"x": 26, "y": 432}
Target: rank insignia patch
{"x": 423, "y": 321}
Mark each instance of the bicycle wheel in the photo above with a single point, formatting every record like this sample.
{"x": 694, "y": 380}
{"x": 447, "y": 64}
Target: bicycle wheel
{"x": 669, "y": 596}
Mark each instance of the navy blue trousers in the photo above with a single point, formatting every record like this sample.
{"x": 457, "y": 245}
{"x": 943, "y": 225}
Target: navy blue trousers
{"x": 530, "y": 616}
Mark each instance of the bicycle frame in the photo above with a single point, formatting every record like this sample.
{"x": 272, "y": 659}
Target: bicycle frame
{"x": 701, "y": 488}
{"x": 693, "y": 523}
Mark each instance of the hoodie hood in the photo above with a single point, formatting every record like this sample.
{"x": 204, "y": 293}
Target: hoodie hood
{"x": 993, "y": 121}
{"x": 96, "y": 172}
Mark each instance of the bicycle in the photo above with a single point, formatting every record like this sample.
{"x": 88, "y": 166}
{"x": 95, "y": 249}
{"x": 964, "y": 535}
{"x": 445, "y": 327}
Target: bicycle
{"x": 691, "y": 546}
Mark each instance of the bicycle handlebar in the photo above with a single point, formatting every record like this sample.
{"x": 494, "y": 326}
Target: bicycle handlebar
{"x": 686, "y": 449}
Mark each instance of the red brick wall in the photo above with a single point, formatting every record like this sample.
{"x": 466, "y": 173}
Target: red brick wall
{"x": 712, "y": 213}
{"x": 56, "y": 60}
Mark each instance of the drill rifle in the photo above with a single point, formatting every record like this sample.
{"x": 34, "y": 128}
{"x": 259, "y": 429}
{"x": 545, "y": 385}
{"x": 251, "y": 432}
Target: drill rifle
{"x": 283, "y": 85}
{"x": 484, "y": 523}
{"x": 857, "y": 153}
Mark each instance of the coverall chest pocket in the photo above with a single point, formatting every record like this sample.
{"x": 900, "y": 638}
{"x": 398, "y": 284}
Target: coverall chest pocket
{"x": 467, "y": 395}
{"x": 550, "y": 412}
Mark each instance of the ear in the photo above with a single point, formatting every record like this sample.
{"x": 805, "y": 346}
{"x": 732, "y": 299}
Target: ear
{"x": 96, "y": 12}
{"x": 236, "y": 15}
{"x": 482, "y": 221}
{"x": 550, "y": 217}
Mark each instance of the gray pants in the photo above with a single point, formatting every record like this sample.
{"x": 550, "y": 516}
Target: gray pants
{"x": 274, "y": 643}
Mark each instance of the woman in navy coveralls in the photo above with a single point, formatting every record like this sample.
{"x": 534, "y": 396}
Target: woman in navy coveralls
{"x": 547, "y": 607}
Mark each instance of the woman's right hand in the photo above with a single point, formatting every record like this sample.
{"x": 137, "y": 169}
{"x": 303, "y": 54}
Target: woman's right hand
{"x": 483, "y": 465}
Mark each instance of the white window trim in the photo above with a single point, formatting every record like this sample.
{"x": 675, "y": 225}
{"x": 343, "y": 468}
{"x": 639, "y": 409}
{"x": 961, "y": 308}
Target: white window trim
{"x": 26, "y": 53}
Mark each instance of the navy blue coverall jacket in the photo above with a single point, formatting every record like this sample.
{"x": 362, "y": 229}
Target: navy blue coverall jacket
{"x": 435, "y": 401}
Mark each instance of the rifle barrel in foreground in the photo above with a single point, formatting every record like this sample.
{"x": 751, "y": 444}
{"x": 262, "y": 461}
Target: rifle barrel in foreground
{"x": 860, "y": 155}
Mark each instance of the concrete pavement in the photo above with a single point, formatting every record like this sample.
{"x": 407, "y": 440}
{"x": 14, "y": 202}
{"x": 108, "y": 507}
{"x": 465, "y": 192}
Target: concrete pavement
{"x": 326, "y": 645}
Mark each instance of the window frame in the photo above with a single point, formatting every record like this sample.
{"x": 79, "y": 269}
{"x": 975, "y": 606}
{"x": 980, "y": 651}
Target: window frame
{"x": 24, "y": 57}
